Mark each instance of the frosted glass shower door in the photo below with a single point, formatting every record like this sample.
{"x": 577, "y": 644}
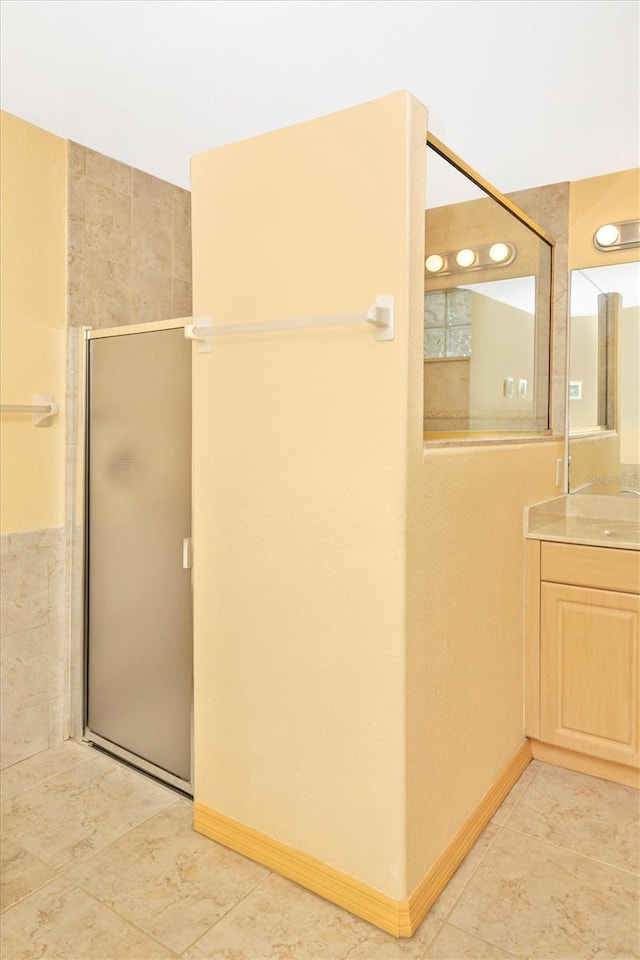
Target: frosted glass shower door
{"x": 139, "y": 603}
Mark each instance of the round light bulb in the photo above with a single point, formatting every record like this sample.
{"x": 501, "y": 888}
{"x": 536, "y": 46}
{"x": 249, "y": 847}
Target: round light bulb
{"x": 465, "y": 258}
{"x": 434, "y": 263}
{"x": 607, "y": 234}
{"x": 498, "y": 252}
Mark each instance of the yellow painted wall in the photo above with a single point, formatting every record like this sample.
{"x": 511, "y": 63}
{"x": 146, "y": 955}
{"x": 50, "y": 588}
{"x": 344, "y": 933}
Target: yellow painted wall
{"x": 595, "y": 463}
{"x": 33, "y": 319}
{"x": 465, "y": 628}
{"x": 300, "y": 478}
{"x": 599, "y": 200}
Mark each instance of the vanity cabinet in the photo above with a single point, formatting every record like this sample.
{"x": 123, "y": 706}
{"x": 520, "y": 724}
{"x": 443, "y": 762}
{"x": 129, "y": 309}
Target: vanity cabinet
{"x": 583, "y": 651}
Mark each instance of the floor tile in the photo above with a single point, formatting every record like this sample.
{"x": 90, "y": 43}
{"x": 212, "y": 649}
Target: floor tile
{"x": 465, "y": 871}
{"x": 60, "y": 921}
{"x": 534, "y": 899}
{"x": 41, "y": 766}
{"x": 381, "y": 946}
{"x": 21, "y": 873}
{"x": 454, "y": 944}
{"x": 171, "y": 882}
{"x": 516, "y": 793}
{"x": 71, "y": 816}
{"x": 282, "y": 921}
{"x": 590, "y": 816}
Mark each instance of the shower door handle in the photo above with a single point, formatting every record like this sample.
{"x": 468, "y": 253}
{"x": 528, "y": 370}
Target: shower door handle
{"x": 187, "y": 553}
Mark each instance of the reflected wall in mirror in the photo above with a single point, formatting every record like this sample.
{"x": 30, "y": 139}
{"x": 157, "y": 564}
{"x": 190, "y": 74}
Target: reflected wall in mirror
{"x": 604, "y": 391}
{"x": 487, "y": 309}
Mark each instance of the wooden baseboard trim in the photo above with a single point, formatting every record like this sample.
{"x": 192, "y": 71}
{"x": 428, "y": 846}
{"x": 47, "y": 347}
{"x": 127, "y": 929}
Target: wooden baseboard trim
{"x": 434, "y": 882}
{"x": 580, "y": 762}
{"x": 401, "y": 918}
{"x": 364, "y": 901}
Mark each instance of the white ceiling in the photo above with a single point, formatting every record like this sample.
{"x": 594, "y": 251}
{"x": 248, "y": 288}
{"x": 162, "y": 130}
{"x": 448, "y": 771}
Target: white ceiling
{"x": 526, "y": 91}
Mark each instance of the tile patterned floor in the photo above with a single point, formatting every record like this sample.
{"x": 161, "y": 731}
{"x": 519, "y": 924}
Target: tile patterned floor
{"x": 100, "y": 863}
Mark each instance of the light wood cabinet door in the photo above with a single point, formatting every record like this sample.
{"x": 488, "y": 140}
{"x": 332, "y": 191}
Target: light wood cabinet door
{"x": 590, "y": 662}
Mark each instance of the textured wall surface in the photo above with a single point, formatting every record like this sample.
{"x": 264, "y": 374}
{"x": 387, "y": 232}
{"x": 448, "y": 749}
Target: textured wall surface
{"x": 34, "y": 657}
{"x": 129, "y": 249}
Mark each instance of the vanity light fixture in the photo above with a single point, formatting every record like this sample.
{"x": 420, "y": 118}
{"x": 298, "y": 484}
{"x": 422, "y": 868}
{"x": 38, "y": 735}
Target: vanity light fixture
{"x": 617, "y": 236}
{"x": 435, "y": 263}
{"x": 498, "y": 252}
{"x": 493, "y": 255}
{"x": 466, "y": 257}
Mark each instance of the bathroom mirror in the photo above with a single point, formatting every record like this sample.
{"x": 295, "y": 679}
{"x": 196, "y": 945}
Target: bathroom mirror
{"x": 487, "y": 294}
{"x": 604, "y": 391}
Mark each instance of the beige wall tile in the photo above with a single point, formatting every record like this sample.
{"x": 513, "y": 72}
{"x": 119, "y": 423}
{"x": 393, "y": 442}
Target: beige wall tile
{"x": 182, "y": 209}
{"x": 58, "y": 724}
{"x": 76, "y": 160}
{"x": 151, "y": 238}
{"x": 181, "y": 304}
{"x": 75, "y": 240}
{"x": 120, "y": 217}
{"x": 152, "y": 190}
{"x": 26, "y": 734}
{"x": 107, "y": 293}
{"x": 150, "y": 297}
{"x": 76, "y": 292}
{"x": 25, "y": 685}
{"x": 107, "y": 172}
{"x": 108, "y": 224}
{"x": 76, "y": 198}
{"x": 182, "y": 259}
{"x": 24, "y": 591}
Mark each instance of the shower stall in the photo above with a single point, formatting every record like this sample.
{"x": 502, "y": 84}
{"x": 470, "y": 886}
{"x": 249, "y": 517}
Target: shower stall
{"x": 138, "y": 615}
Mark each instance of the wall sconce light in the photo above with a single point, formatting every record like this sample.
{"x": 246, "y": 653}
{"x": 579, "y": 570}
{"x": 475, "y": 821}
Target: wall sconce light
{"x": 466, "y": 259}
{"x": 617, "y": 236}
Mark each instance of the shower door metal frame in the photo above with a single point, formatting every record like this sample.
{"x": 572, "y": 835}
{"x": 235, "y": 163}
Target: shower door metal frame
{"x": 89, "y": 736}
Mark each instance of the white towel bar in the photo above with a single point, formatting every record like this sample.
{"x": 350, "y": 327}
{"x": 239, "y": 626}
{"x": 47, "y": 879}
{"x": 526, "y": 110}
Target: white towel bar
{"x": 380, "y": 314}
{"x": 43, "y": 408}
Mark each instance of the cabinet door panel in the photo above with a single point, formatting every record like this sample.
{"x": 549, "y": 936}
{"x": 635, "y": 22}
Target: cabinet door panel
{"x": 589, "y": 671}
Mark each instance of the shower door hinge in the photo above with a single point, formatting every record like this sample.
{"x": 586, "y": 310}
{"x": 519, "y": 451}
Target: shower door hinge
{"x": 187, "y": 553}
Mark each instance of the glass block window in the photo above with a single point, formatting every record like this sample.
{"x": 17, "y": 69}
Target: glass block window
{"x": 447, "y": 324}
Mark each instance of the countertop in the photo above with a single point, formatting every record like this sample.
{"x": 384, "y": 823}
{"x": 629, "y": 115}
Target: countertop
{"x": 599, "y": 521}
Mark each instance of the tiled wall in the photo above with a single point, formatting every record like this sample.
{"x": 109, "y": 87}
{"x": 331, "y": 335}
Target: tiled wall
{"x": 129, "y": 243}
{"x": 33, "y": 642}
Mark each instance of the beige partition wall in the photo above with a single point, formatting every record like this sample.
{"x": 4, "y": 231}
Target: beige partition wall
{"x": 358, "y": 597}
{"x": 300, "y": 450}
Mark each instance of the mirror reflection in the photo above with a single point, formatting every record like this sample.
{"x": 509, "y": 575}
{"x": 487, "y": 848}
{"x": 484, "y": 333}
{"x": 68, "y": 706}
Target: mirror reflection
{"x": 486, "y": 310}
{"x": 604, "y": 390}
